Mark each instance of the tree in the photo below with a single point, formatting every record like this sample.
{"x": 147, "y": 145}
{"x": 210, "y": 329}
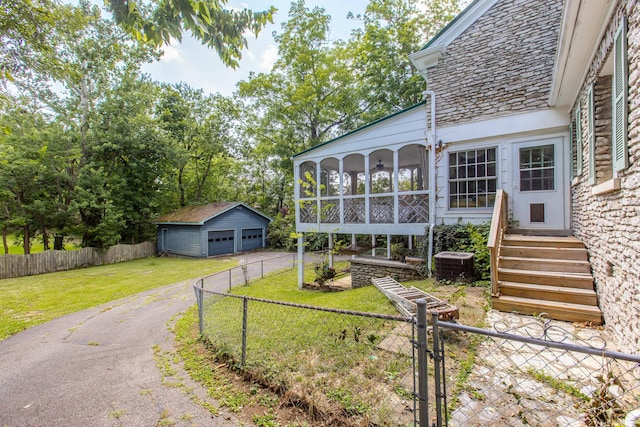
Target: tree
{"x": 203, "y": 132}
{"x": 208, "y": 21}
{"x": 393, "y": 29}
{"x": 309, "y": 96}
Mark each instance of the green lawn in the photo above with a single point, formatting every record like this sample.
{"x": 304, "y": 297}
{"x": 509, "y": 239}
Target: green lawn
{"x": 29, "y": 301}
{"x": 331, "y": 362}
{"x": 15, "y": 247}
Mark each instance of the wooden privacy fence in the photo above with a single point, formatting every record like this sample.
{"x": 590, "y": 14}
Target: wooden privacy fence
{"x": 52, "y": 261}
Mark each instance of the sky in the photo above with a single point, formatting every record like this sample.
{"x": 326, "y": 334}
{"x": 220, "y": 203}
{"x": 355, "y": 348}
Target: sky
{"x": 200, "y": 67}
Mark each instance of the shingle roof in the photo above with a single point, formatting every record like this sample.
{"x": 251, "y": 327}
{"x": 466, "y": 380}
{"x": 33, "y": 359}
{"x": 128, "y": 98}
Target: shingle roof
{"x": 200, "y": 214}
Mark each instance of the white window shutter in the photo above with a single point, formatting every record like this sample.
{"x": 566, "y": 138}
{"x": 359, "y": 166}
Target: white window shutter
{"x": 591, "y": 137}
{"x": 620, "y": 107}
{"x": 578, "y": 115}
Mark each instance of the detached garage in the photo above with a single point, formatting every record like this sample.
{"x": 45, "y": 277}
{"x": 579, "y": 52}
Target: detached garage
{"x": 213, "y": 229}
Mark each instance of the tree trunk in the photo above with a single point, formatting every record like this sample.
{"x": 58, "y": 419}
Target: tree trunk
{"x": 58, "y": 243}
{"x": 4, "y": 241}
{"x": 45, "y": 239}
{"x": 26, "y": 244}
{"x": 181, "y": 188}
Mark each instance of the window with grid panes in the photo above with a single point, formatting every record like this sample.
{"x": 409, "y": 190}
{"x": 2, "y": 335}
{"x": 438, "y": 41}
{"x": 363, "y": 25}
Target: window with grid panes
{"x": 537, "y": 168}
{"x": 472, "y": 178}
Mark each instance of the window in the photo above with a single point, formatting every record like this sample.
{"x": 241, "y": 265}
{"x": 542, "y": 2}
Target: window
{"x": 537, "y": 168}
{"x": 619, "y": 96}
{"x": 472, "y": 178}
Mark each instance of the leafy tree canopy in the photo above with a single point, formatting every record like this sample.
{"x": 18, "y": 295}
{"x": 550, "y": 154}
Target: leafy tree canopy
{"x": 209, "y": 21}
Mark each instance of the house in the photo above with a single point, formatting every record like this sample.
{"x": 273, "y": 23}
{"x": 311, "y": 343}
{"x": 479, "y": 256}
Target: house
{"x": 529, "y": 121}
{"x": 213, "y": 229}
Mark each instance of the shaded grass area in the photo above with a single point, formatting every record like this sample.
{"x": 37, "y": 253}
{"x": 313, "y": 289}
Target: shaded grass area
{"x": 37, "y": 245}
{"x": 29, "y": 301}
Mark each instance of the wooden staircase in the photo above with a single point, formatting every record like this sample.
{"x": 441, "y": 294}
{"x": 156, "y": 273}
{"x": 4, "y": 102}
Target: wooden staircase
{"x": 545, "y": 274}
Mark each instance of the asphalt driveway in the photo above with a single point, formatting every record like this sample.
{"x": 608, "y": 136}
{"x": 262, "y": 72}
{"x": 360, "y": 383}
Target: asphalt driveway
{"x": 97, "y": 368}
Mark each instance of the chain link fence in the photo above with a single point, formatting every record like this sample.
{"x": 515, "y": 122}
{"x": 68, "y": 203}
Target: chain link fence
{"x": 361, "y": 369}
{"x": 346, "y": 368}
{"x": 536, "y": 372}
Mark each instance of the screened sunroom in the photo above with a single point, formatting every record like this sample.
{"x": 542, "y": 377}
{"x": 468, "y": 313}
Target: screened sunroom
{"x": 375, "y": 181}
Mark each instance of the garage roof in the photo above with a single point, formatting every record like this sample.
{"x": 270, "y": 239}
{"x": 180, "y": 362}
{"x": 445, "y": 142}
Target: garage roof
{"x": 198, "y": 215}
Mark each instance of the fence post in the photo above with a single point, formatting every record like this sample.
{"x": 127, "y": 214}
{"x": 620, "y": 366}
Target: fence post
{"x": 437, "y": 361}
{"x": 423, "y": 371}
{"x": 245, "y": 303}
{"x": 262, "y": 269}
{"x": 200, "y": 300}
{"x": 230, "y": 279}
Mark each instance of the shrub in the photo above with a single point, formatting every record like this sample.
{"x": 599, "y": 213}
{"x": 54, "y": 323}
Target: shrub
{"x": 464, "y": 238}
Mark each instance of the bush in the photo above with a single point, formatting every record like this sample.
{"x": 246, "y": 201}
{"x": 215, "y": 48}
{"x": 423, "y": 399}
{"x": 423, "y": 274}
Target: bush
{"x": 282, "y": 231}
{"x": 465, "y": 238}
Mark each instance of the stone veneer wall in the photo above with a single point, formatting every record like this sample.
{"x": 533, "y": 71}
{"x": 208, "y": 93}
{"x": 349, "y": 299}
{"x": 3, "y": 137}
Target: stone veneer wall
{"x": 502, "y": 64}
{"x": 363, "y": 269}
{"x": 609, "y": 224}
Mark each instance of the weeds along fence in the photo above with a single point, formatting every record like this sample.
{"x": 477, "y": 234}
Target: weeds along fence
{"x": 331, "y": 362}
{"x": 351, "y": 369}
{"x": 52, "y": 261}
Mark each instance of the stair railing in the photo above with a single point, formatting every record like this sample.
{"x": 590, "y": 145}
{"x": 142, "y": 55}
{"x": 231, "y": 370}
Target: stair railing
{"x": 499, "y": 222}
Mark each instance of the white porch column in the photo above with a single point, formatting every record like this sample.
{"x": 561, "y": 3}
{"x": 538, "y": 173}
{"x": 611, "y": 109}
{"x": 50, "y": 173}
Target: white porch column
{"x": 341, "y": 192}
{"x": 396, "y": 197}
{"x": 330, "y": 249}
{"x": 388, "y": 246}
{"x": 318, "y": 192}
{"x": 300, "y": 260}
{"x": 373, "y": 245}
{"x": 367, "y": 189}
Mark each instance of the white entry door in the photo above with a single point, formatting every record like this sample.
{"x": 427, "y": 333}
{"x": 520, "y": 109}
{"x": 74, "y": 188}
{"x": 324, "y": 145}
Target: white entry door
{"x": 539, "y": 193}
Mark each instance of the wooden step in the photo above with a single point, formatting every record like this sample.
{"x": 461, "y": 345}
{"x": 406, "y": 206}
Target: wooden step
{"x": 577, "y": 254}
{"x": 541, "y": 241}
{"x": 556, "y": 310}
{"x": 546, "y": 264}
{"x": 549, "y": 293}
{"x": 570, "y": 280}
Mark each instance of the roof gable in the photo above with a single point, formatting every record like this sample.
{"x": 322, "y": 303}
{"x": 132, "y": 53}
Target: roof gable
{"x": 198, "y": 215}
{"x": 429, "y": 55}
{"x": 361, "y": 129}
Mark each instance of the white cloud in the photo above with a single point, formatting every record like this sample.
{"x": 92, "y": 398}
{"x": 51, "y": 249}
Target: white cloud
{"x": 269, "y": 57}
{"x": 172, "y": 53}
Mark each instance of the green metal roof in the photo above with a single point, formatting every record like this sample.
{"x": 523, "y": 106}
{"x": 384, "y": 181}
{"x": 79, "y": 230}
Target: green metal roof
{"x": 331, "y": 141}
{"x": 453, "y": 21}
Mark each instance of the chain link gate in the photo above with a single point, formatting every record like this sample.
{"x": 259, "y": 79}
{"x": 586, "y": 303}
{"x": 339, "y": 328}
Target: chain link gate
{"x": 525, "y": 371}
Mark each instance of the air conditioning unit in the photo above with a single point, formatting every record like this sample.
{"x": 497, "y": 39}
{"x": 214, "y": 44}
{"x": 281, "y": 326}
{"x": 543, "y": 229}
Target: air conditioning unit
{"x": 454, "y": 266}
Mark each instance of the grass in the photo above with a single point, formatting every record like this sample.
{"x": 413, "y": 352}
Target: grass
{"x": 16, "y": 248}
{"x": 330, "y": 363}
{"x": 334, "y": 364}
{"x": 32, "y": 300}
